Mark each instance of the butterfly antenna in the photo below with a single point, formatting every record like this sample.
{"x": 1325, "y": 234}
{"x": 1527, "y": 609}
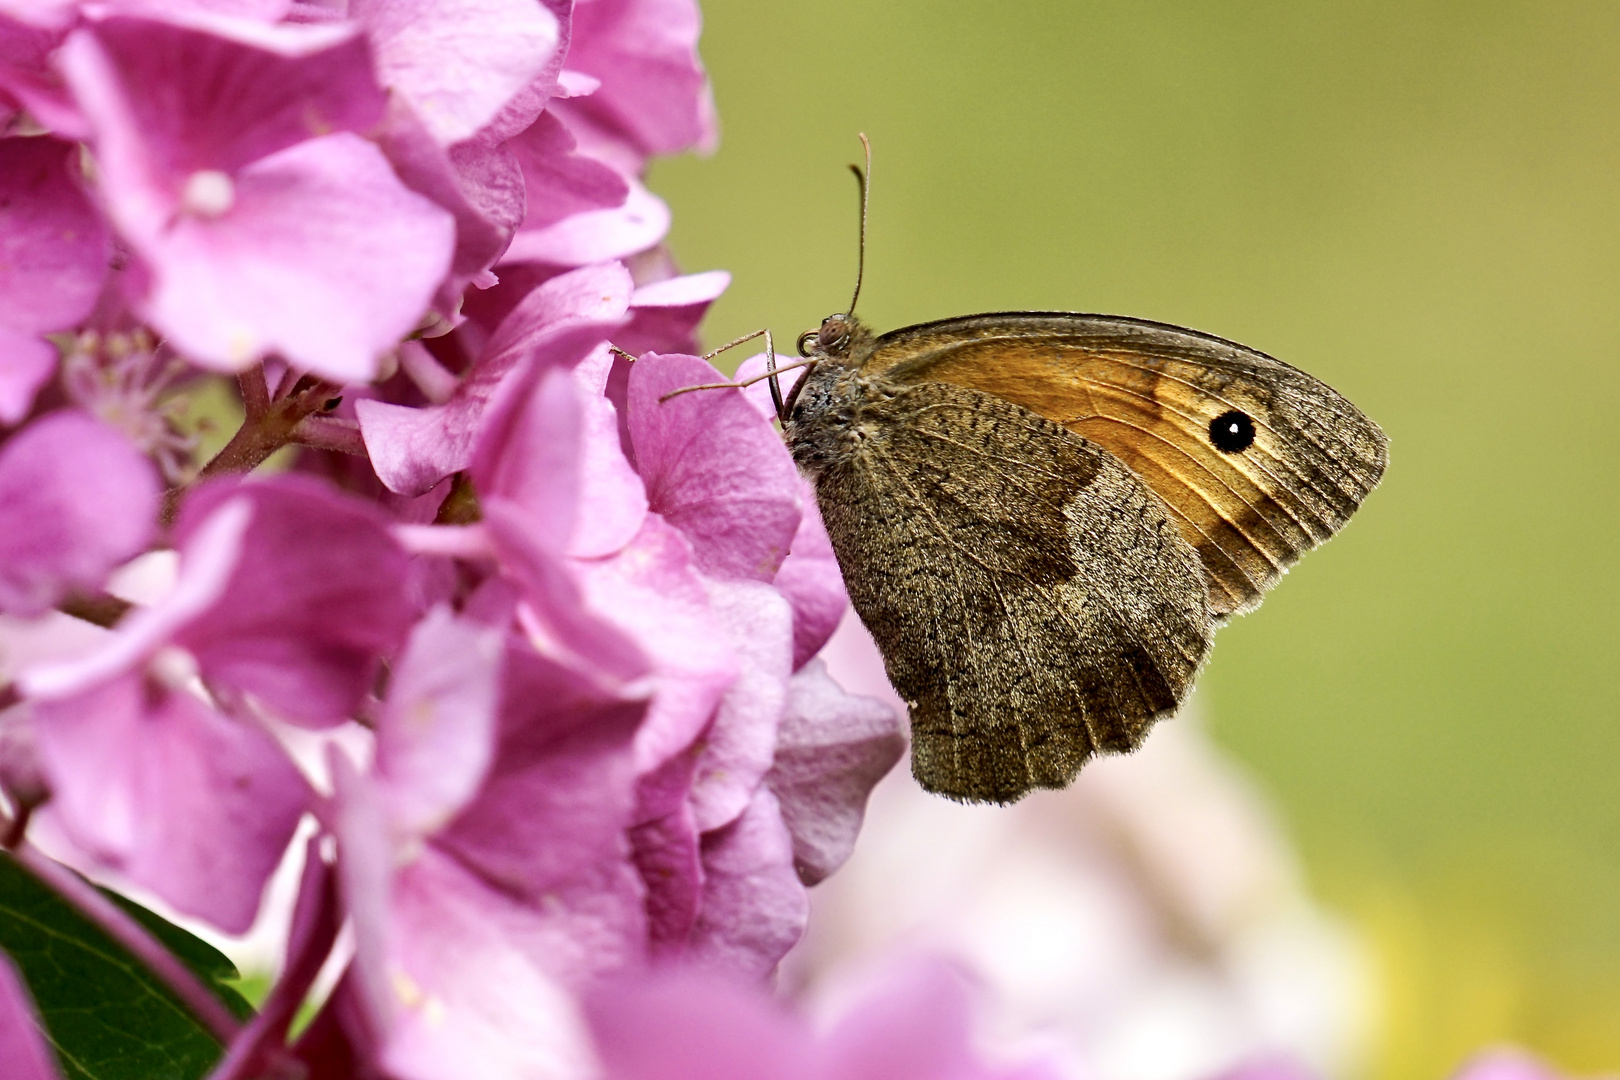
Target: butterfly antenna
{"x": 863, "y": 179}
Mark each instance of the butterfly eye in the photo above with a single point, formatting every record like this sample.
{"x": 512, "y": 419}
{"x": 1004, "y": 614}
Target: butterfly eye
{"x": 1231, "y": 432}
{"x": 833, "y": 333}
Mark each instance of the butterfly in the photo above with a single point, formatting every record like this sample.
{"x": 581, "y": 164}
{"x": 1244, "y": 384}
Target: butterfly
{"x": 1043, "y": 517}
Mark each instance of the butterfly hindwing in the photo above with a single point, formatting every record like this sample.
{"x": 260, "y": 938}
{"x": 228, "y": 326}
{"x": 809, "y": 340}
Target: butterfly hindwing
{"x": 1148, "y": 394}
{"x": 1033, "y": 601}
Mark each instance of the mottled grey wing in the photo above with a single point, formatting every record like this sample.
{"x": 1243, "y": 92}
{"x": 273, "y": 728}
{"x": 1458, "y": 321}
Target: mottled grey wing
{"x": 1033, "y": 601}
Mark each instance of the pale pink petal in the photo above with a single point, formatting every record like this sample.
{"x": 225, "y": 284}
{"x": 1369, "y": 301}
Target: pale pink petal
{"x": 26, "y": 364}
{"x": 738, "y": 746}
{"x": 664, "y": 315}
{"x": 437, "y": 732}
{"x": 192, "y": 805}
{"x": 813, "y": 583}
{"x": 76, "y": 500}
{"x": 323, "y": 257}
{"x": 831, "y": 750}
{"x": 713, "y": 467}
{"x": 654, "y": 95}
{"x": 915, "y": 1022}
{"x": 458, "y": 62}
{"x": 613, "y": 499}
{"x": 683, "y": 1024}
{"x": 753, "y": 907}
{"x": 470, "y": 998}
{"x": 1505, "y": 1064}
{"x": 413, "y": 449}
{"x": 54, "y": 248}
{"x": 549, "y": 827}
{"x": 528, "y": 451}
{"x": 440, "y": 986}
{"x": 316, "y": 599}
{"x": 22, "y": 1040}
{"x": 595, "y": 236}
{"x": 559, "y": 182}
{"x": 651, "y": 592}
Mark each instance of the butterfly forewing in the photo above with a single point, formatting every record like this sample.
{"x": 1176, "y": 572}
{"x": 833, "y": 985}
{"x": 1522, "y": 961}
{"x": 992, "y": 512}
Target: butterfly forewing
{"x": 1298, "y": 460}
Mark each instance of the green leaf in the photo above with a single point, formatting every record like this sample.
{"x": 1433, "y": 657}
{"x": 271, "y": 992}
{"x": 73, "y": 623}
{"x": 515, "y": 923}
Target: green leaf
{"x": 106, "y": 1016}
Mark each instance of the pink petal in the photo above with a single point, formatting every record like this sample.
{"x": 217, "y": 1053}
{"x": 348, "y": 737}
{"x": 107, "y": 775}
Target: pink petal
{"x": 324, "y": 257}
{"x": 1506, "y": 1064}
{"x": 437, "y": 732}
{"x": 664, "y": 316}
{"x": 26, "y": 364}
{"x": 831, "y": 750}
{"x": 713, "y": 467}
{"x": 813, "y": 583}
{"x": 614, "y": 502}
{"x": 469, "y": 1003}
{"x": 759, "y": 393}
{"x": 207, "y": 564}
{"x": 754, "y": 908}
{"x": 549, "y": 827}
{"x": 595, "y": 236}
{"x": 738, "y": 747}
{"x": 559, "y": 182}
{"x": 29, "y": 36}
{"x": 54, "y": 248}
{"x": 481, "y": 186}
{"x": 554, "y": 614}
{"x": 654, "y": 95}
{"x": 682, "y": 1024}
{"x": 192, "y": 805}
{"x": 914, "y": 1022}
{"x": 317, "y": 598}
{"x": 151, "y": 89}
{"x": 76, "y": 500}
{"x": 458, "y": 62}
{"x": 529, "y": 449}
{"x": 668, "y": 858}
{"x": 440, "y": 986}
{"x": 22, "y": 1040}
{"x": 650, "y": 591}
{"x": 413, "y": 449}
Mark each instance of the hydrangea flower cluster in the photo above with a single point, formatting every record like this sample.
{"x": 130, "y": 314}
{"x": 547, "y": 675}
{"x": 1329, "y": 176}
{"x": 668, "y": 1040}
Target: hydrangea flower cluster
{"x": 575, "y": 623}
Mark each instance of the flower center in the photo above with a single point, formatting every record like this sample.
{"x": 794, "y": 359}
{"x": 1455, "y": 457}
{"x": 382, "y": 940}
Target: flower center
{"x": 208, "y": 193}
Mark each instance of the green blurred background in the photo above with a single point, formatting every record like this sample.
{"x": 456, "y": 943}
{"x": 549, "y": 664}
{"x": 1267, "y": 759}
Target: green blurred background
{"x": 1417, "y": 202}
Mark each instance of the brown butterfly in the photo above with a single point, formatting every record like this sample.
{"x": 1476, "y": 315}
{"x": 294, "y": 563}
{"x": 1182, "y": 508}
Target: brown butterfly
{"x": 1042, "y": 517}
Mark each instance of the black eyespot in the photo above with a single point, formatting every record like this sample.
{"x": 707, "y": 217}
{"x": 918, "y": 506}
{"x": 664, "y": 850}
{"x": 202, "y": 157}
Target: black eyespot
{"x": 1231, "y": 432}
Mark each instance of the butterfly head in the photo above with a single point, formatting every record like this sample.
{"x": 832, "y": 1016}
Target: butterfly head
{"x": 835, "y": 338}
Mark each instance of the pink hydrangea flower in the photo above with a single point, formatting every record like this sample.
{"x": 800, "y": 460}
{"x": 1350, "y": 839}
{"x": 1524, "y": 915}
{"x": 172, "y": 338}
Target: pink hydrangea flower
{"x": 287, "y": 597}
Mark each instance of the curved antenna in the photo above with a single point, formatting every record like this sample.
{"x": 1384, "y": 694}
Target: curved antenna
{"x": 864, "y": 180}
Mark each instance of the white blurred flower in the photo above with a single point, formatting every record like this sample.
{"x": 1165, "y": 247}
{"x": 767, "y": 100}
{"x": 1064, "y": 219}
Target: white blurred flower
{"x": 1150, "y": 923}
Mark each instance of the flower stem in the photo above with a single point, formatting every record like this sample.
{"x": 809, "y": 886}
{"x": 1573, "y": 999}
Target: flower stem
{"x": 260, "y": 435}
{"x": 314, "y": 929}
{"x": 118, "y": 925}
{"x": 102, "y": 609}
